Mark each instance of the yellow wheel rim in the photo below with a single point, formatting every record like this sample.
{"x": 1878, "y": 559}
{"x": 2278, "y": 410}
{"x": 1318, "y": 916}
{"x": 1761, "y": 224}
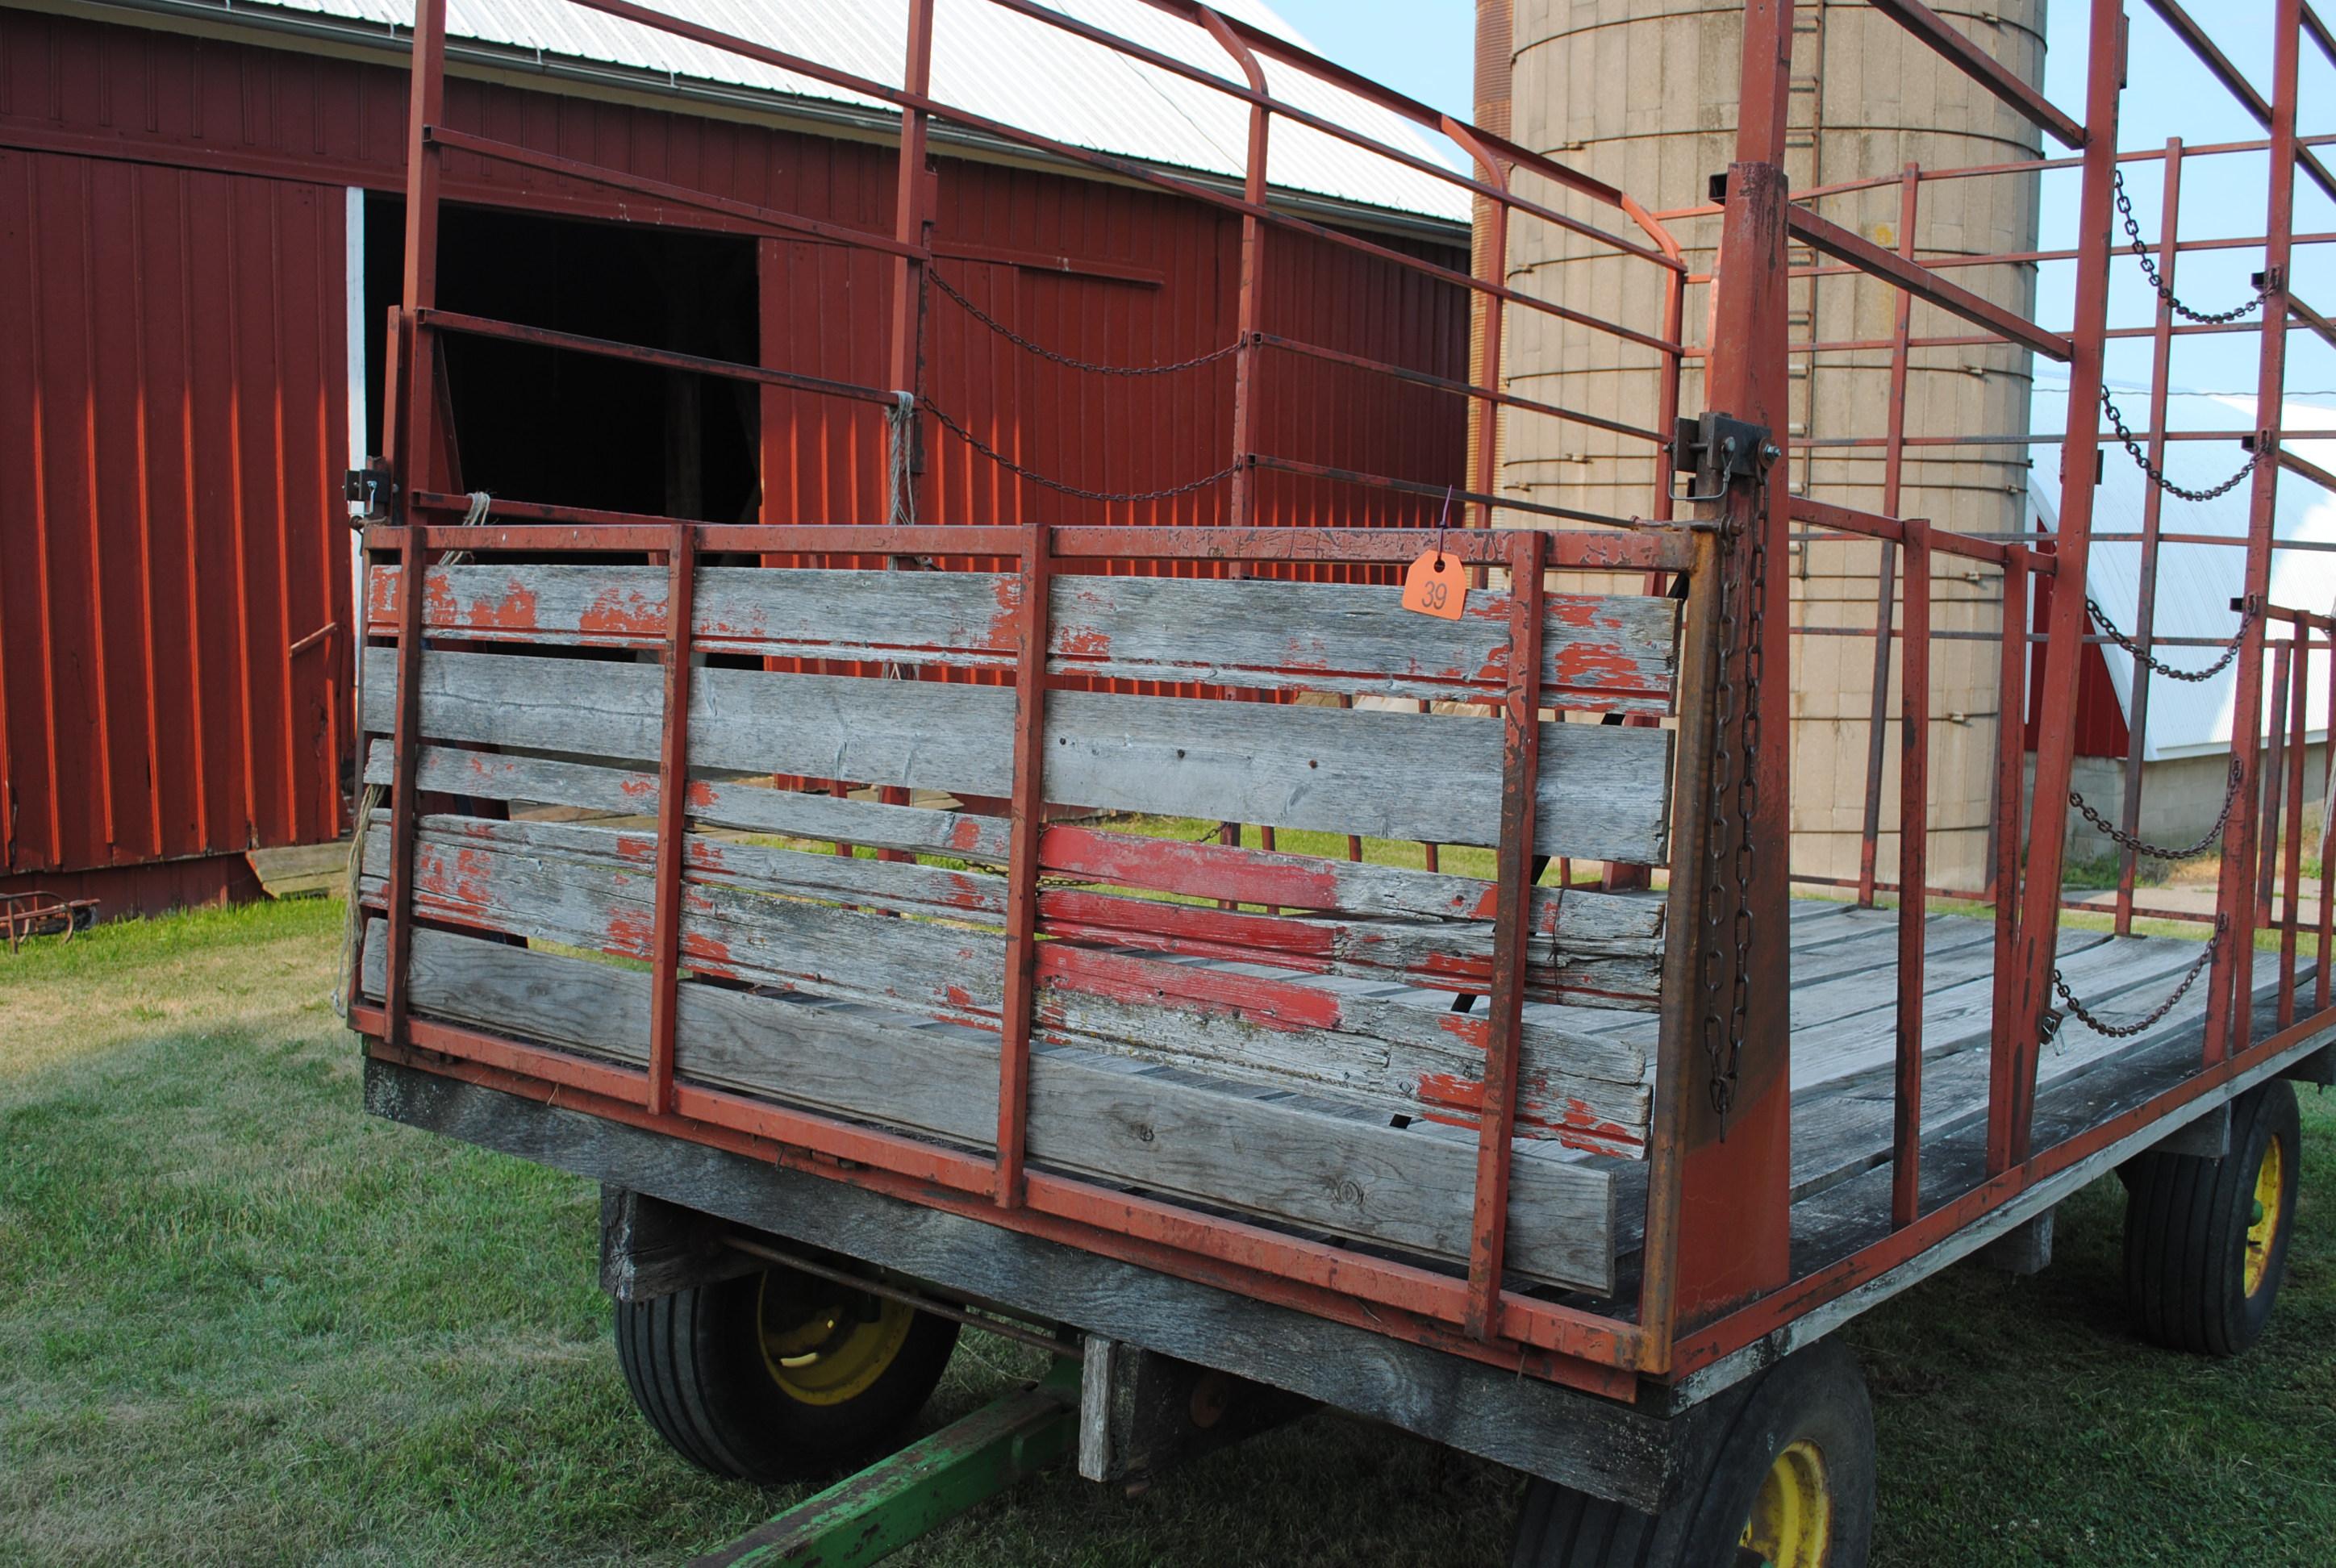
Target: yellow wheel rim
{"x": 1792, "y": 1518}
{"x": 2270, "y": 1180}
{"x": 820, "y": 1343}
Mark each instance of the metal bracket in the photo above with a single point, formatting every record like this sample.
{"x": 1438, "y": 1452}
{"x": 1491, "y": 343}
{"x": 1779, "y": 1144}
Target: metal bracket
{"x": 1718, "y": 450}
{"x": 368, "y": 489}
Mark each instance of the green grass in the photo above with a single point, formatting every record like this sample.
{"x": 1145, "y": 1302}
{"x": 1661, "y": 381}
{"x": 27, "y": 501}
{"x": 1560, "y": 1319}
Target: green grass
{"x": 242, "y": 1323}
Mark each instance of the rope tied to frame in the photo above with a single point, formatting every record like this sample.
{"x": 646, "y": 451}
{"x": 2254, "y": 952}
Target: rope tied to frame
{"x": 899, "y": 458}
{"x": 1056, "y": 356}
{"x": 2157, "y": 475}
{"x": 2118, "y": 835}
{"x": 473, "y": 516}
{"x": 2048, "y": 1023}
{"x": 2157, "y": 279}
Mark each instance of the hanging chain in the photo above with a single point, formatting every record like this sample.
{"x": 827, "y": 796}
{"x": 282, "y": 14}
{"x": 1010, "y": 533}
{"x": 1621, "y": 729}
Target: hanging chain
{"x": 2230, "y": 649}
{"x": 2053, "y": 1017}
{"x": 2118, "y": 835}
{"x": 2157, "y": 280}
{"x": 2157, "y": 475}
{"x": 1735, "y": 792}
{"x": 1057, "y": 355}
{"x": 1007, "y": 463}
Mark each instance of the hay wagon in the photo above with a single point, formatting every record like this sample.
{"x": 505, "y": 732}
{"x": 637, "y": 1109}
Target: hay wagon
{"x": 890, "y": 915}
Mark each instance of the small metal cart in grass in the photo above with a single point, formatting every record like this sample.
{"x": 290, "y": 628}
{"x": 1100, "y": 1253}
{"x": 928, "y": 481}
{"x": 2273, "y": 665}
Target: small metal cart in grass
{"x": 808, "y": 888}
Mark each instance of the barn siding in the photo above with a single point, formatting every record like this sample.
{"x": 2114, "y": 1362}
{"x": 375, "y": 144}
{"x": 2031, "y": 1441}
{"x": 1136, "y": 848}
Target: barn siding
{"x": 171, "y": 227}
{"x": 172, "y": 415}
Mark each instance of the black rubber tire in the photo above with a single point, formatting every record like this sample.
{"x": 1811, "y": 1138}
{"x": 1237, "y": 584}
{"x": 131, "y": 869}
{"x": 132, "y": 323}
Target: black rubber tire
{"x": 693, "y": 1362}
{"x": 2186, "y": 1231}
{"x": 1815, "y": 1395}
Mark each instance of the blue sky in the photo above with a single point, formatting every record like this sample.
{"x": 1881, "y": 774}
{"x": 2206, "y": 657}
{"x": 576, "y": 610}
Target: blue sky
{"x": 1425, "y": 48}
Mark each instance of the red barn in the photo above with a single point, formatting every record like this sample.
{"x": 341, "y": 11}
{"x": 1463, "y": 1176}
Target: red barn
{"x": 199, "y": 234}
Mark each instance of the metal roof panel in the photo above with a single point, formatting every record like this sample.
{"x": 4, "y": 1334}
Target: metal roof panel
{"x": 2196, "y": 582}
{"x": 992, "y": 62}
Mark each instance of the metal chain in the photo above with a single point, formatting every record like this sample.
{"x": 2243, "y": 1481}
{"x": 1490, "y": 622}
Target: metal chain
{"x": 2230, "y": 651}
{"x": 2157, "y": 475}
{"x": 1007, "y": 463}
{"x": 1736, "y": 794}
{"x": 1057, "y": 355}
{"x": 2157, "y": 280}
{"x": 2118, "y": 835}
{"x": 2053, "y": 1017}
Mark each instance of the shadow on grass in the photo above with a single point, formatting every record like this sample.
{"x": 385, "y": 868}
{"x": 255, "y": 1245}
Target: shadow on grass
{"x": 242, "y": 1323}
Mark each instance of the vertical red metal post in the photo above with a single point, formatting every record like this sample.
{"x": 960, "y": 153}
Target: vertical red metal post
{"x": 2291, "y": 875}
{"x": 912, "y": 225}
{"x": 1678, "y": 1031}
{"x": 2275, "y": 778}
{"x": 2011, "y": 746}
{"x": 1662, "y": 504}
{"x": 426, "y": 106}
{"x": 912, "y": 219}
{"x": 1724, "y": 1135}
{"x": 673, "y": 813}
{"x": 1913, "y": 873}
{"x": 2152, "y": 501}
{"x": 1512, "y": 930}
{"x": 1894, "y": 475}
{"x": 405, "y": 806}
{"x": 2040, "y": 923}
{"x": 1248, "y": 311}
{"x": 1032, "y": 622}
{"x": 410, "y": 466}
{"x": 1494, "y": 268}
{"x": 2327, "y": 929}
{"x": 2230, "y": 987}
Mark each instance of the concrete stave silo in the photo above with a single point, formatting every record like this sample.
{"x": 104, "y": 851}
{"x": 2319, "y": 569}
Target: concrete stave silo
{"x": 1641, "y": 92}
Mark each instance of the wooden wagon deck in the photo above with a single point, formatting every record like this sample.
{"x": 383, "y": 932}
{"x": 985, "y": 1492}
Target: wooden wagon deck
{"x": 1187, "y": 1124}
{"x": 1844, "y": 1011}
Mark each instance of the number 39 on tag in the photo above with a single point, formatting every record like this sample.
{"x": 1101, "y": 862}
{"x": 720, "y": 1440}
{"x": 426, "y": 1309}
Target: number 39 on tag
{"x": 1434, "y": 585}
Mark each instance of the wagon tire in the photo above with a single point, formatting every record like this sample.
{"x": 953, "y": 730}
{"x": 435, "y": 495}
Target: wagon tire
{"x": 777, "y": 1376}
{"x": 2205, "y": 1240}
{"x": 1783, "y": 1475}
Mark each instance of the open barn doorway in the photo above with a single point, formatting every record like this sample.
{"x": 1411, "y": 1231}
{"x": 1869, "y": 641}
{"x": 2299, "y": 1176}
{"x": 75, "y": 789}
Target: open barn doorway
{"x": 534, "y": 424}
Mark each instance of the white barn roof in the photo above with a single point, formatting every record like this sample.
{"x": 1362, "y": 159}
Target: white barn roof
{"x": 2196, "y": 582}
{"x": 986, "y": 60}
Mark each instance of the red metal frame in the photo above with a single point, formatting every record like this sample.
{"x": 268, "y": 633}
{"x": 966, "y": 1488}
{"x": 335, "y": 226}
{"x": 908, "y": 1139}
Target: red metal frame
{"x": 1520, "y": 779}
{"x": 1033, "y": 618}
{"x": 673, "y": 796}
{"x": 1716, "y": 1273}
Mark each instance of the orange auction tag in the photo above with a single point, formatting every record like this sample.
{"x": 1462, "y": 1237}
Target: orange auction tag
{"x": 1433, "y": 585}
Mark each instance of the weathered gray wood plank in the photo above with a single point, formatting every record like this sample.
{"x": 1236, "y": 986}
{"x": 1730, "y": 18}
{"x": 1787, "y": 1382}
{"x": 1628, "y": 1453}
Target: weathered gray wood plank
{"x": 1604, "y": 792}
{"x": 744, "y": 804}
{"x": 1845, "y": 1048}
{"x": 1843, "y": 1128}
{"x": 1610, "y": 652}
{"x": 1354, "y": 1179}
{"x": 1622, "y": 970}
{"x": 1582, "y": 918}
{"x": 1279, "y": 1034}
